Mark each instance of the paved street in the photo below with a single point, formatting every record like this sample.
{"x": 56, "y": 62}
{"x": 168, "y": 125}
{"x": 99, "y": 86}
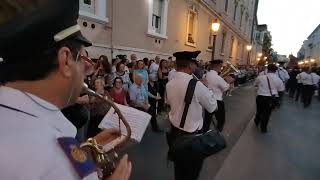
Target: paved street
{"x": 149, "y": 157}
{"x": 290, "y": 150}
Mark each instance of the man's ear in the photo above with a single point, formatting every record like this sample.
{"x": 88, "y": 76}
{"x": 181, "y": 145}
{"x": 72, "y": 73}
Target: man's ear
{"x": 64, "y": 57}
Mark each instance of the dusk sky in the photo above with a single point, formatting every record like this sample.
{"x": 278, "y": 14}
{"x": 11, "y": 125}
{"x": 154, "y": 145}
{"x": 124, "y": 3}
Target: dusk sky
{"x": 290, "y": 22}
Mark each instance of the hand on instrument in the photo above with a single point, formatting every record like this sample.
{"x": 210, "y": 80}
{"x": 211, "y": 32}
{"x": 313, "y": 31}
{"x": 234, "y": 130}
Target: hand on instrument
{"x": 229, "y": 79}
{"x": 106, "y": 136}
{"x": 123, "y": 170}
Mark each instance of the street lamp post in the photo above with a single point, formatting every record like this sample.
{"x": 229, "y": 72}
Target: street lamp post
{"x": 249, "y": 47}
{"x": 215, "y": 28}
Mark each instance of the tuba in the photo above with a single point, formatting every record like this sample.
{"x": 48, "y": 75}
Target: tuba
{"x": 106, "y": 157}
{"x": 229, "y": 69}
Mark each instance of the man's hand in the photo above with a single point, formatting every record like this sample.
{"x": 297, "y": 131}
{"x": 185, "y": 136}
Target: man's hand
{"x": 123, "y": 170}
{"x": 83, "y": 99}
{"x": 106, "y": 136}
{"x": 229, "y": 79}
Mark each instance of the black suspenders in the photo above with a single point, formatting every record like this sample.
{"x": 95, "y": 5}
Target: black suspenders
{"x": 17, "y": 110}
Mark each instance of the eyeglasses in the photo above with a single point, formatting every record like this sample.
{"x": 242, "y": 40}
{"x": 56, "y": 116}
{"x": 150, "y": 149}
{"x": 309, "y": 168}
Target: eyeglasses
{"x": 89, "y": 64}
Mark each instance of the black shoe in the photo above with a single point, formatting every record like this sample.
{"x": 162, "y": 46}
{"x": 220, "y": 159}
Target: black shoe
{"x": 256, "y": 122}
{"x": 263, "y": 131}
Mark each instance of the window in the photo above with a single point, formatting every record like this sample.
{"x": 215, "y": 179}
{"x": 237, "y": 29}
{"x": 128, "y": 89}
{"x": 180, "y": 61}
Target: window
{"x": 235, "y": 9}
{"x": 258, "y": 37}
{"x": 156, "y": 15}
{"x": 192, "y": 27}
{"x": 210, "y": 40}
{"x": 95, "y": 10}
{"x": 239, "y": 50}
{"x": 241, "y": 16}
{"x": 157, "y": 25}
{"x": 231, "y": 46}
{"x": 226, "y": 5}
{"x": 224, "y": 34}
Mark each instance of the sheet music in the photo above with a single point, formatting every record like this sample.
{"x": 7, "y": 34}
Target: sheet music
{"x": 138, "y": 121}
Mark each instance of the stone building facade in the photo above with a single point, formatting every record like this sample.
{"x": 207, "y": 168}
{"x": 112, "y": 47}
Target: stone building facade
{"x": 161, "y": 27}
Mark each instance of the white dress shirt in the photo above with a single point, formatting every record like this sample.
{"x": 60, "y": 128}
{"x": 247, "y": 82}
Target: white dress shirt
{"x": 28, "y": 145}
{"x": 276, "y": 85}
{"x": 283, "y": 74}
{"x": 172, "y": 74}
{"x": 299, "y": 78}
{"x": 202, "y": 98}
{"x": 315, "y": 79}
{"x": 217, "y": 84}
{"x": 153, "y": 69}
{"x": 264, "y": 72}
{"x": 308, "y": 79}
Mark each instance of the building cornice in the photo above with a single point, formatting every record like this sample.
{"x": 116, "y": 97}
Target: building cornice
{"x": 225, "y": 22}
{"x": 318, "y": 27}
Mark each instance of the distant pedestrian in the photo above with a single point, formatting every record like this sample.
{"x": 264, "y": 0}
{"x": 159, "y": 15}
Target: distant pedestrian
{"x": 268, "y": 87}
{"x": 293, "y": 82}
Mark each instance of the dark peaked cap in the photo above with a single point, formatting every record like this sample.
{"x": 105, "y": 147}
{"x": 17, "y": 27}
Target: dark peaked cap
{"x": 187, "y": 55}
{"x": 216, "y": 61}
{"x": 32, "y": 26}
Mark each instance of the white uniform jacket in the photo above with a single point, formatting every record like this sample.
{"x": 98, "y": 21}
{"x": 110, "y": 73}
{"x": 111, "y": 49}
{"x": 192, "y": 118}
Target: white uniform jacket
{"x": 202, "y": 98}
{"x": 29, "y": 149}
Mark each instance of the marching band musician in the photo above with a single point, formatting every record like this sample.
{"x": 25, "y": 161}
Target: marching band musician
{"x": 43, "y": 69}
{"x": 268, "y": 87}
{"x": 188, "y": 168}
{"x": 219, "y": 86}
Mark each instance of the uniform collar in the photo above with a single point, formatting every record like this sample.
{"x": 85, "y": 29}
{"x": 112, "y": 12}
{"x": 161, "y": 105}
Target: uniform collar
{"x": 30, "y": 103}
{"x": 182, "y": 75}
{"x": 213, "y": 71}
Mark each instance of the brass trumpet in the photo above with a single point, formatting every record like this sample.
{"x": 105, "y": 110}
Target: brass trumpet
{"x": 229, "y": 69}
{"x": 106, "y": 157}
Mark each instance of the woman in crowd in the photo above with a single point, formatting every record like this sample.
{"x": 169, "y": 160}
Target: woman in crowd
{"x": 103, "y": 70}
{"x": 163, "y": 73}
{"x": 123, "y": 75}
{"x": 143, "y": 73}
{"x": 149, "y": 64}
{"x": 118, "y": 93}
{"x": 153, "y": 97}
{"x": 98, "y": 108}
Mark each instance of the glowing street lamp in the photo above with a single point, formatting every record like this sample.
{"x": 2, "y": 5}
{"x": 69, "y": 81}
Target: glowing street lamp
{"x": 306, "y": 61}
{"x": 265, "y": 58}
{"x": 312, "y": 60}
{"x": 259, "y": 54}
{"x": 215, "y": 26}
{"x": 258, "y": 59}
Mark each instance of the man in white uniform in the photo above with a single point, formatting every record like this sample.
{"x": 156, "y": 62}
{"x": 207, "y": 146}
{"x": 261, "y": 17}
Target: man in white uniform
{"x": 218, "y": 86}
{"x": 43, "y": 69}
{"x": 268, "y": 87}
{"x": 309, "y": 82}
{"x": 189, "y": 168}
{"x": 284, "y": 76}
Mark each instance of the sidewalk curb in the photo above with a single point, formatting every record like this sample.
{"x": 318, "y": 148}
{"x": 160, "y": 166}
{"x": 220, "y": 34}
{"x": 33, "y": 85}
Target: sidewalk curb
{"x": 233, "y": 147}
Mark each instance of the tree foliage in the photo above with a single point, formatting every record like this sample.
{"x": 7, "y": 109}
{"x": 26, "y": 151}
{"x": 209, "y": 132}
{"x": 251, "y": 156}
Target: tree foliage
{"x": 267, "y": 49}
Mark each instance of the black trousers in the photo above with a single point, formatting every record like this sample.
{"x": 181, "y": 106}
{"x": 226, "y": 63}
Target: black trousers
{"x": 307, "y": 93}
{"x": 153, "y": 112}
{"x": 299, "y": 91}
{"x": 263, "y": 113}
{"x": 220, "y": 115}
{"x": 188, "y": 168}
{"x": 292, "y": 89}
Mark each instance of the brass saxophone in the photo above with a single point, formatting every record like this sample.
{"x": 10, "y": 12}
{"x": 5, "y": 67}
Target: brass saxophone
{"x": 106, "y": 157}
